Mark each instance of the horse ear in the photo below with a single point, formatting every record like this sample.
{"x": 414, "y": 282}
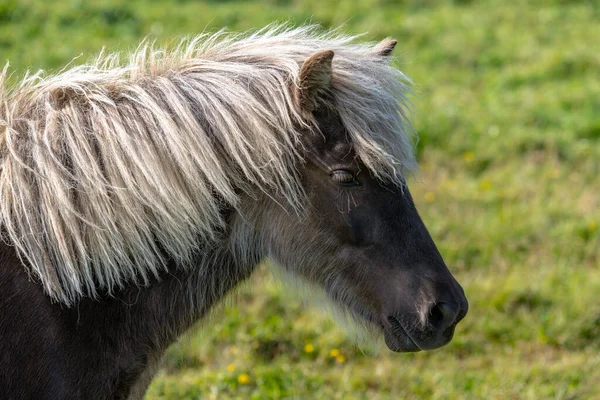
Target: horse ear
{"x": 385, "y": 47}
{"x": 314, "y": 81}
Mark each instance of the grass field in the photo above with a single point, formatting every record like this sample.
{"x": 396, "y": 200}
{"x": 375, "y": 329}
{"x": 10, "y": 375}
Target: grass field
{"x": 508, "y": 112}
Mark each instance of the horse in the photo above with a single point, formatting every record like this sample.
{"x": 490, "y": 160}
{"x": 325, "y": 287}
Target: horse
{"x": 136, "y": 194}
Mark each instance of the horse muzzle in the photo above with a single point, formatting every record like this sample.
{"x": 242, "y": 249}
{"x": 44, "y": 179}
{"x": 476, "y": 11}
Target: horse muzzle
{"x": 409, "y": 332}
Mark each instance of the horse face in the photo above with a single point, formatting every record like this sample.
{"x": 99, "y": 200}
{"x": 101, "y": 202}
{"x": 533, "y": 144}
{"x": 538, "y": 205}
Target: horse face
{"x": 363, "y": 241}
{"x": 378, "y": 258}
{"x": 365, "y": 244}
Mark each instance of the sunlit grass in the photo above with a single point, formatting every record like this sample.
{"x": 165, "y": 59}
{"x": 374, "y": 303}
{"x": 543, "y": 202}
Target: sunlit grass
{"x": 508, "y": 112}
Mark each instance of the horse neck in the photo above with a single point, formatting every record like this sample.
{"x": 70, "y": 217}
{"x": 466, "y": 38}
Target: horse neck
{"x": 156, "y": 315}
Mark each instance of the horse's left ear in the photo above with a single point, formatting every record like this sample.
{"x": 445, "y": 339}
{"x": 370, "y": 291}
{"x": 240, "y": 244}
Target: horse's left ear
{"x": 385, "y": 47}
{"x": 314, "y": 81}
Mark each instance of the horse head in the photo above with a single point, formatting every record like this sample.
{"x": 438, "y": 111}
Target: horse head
{"x": 361, "y": 238}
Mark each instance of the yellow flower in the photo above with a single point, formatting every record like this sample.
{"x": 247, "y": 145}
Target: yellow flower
{"x": 485, "y": 185}
{"x": 468, "y": 156}
{"x": 231, "y": 368}
{"x": 592, "y": 226}
{"x": 334, "y": 353}
{"x": 340, "y": 359}
{"x": 309, "y": 348}
{"x": 243, "y": 379}
{"x": 429, "y": 197}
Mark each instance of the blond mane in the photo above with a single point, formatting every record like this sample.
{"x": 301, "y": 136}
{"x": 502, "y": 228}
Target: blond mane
{"x": 110, "y": 169}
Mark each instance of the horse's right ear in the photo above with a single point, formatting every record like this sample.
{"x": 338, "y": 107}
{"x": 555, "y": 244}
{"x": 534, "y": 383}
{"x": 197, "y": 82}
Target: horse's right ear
{"x": 314, "y": 81}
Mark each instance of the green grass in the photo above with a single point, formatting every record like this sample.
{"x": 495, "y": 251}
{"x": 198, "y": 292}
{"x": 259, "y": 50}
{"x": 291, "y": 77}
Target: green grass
{"x": 508, "y": 112}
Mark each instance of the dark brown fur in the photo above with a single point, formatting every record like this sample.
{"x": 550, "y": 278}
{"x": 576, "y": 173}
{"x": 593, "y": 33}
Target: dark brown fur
{"x": 98, "y": 349}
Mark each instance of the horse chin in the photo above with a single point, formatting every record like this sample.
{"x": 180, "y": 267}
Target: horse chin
{"x": 397, "y": 339}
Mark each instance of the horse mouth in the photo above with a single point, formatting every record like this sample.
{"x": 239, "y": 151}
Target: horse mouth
{"x": 397, "y": 338}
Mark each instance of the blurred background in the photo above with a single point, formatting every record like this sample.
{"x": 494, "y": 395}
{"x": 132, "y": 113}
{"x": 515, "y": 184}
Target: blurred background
{"x": 508, "y": 113}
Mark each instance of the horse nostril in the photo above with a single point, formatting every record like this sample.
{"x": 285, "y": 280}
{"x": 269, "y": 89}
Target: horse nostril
{"x": 442, "y": 315}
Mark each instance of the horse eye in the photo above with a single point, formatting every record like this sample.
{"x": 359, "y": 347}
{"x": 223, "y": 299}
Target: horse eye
{"x": 344, "y": 177}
